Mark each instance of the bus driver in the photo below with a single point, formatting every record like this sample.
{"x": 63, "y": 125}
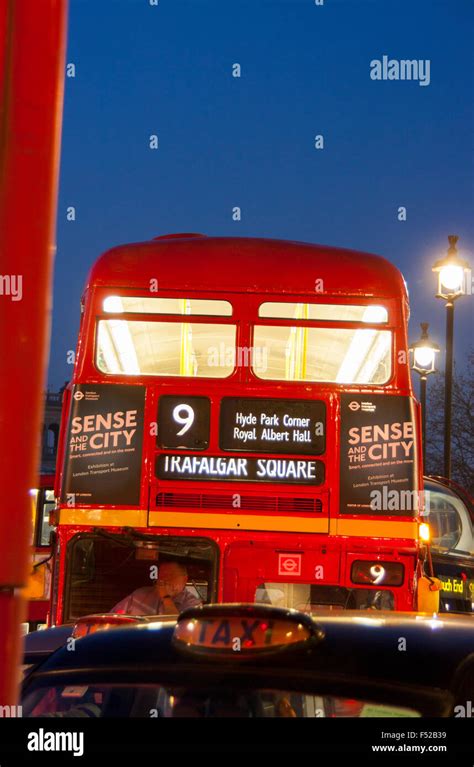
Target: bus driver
{"x": 169, "y": 596}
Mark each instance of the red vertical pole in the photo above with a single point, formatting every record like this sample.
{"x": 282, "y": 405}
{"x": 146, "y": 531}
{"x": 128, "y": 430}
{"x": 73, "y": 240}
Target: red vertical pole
{"x": 32, "y": 61}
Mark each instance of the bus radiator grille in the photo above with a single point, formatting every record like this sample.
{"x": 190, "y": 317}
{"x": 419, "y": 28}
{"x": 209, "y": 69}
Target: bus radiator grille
{"x": 275, "y": 503}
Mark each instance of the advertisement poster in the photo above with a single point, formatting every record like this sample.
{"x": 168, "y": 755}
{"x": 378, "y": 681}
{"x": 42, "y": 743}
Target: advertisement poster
{"x": 104, "y": 445}
{"x": 378, "y": 455}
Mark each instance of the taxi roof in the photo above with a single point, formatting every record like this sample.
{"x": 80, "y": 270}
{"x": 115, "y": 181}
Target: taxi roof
{"x": 246, "y": 264}
{"x": 435, "y": 646}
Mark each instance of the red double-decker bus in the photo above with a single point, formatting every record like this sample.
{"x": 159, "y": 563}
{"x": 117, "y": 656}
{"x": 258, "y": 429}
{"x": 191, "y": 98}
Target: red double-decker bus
{"x": 38, "y": 589}
{"x": 241, "y": 407}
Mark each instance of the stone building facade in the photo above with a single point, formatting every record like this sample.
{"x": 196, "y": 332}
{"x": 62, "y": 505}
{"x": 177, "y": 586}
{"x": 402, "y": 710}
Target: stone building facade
{"x": 50, "y": 430}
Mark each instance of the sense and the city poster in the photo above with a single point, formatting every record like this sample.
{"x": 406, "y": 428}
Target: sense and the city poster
{"x": 236, "y": 389}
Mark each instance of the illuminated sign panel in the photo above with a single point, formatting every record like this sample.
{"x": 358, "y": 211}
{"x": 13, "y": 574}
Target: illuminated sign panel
{"x": 457, "y": 586}
{"x": 183, "y": 422}
{"x": 377, "y": 573}
{"x": 241, "y": 469}
{"x": 231, "y": 634}
{"x": 272, "y": 425}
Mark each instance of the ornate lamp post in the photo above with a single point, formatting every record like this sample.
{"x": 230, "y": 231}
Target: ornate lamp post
{"x": 424, "y": 362}
{"x": 453, "y": 273}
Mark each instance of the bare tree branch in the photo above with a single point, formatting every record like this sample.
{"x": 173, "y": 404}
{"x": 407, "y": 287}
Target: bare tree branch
{"x": 462, "y": 434}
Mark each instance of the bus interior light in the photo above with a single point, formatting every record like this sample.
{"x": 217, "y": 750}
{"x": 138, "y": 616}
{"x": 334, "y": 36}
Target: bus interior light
{"x": 375, "y": 314}
{"x": 113, "y": 305}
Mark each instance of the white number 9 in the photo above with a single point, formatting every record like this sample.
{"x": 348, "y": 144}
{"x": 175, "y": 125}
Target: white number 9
{"x": 378, "y": 573}
{"x": 188, "y": 419}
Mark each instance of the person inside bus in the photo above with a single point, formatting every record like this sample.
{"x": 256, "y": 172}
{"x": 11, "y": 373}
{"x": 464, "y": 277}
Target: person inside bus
{"x": 168, "y": 596}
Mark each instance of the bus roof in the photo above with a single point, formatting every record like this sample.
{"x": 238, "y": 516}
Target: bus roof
{"x": 246, "y": 264}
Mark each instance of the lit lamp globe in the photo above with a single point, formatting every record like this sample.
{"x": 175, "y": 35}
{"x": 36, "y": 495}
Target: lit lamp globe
{"x": 452, "y": 273}
{"x": 424, "y": 353}
{"x": 424, "y": 358}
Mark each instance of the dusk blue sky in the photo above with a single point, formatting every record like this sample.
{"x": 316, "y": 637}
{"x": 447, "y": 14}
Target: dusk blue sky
{"x": 249, "y": 142}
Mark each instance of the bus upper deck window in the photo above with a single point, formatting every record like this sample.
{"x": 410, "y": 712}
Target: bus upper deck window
{"x": 152, "y": 305}
{"x": 334, "y": 354}
{"x": 146, "y": 347}
{"x": 372, "y": 313}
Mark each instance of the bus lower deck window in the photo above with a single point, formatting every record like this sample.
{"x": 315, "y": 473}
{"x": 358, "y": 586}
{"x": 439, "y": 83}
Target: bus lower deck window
{"x": 311, "y": 598}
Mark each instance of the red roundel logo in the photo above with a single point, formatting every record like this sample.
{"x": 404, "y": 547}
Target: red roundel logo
{"x": 289, "y": 564}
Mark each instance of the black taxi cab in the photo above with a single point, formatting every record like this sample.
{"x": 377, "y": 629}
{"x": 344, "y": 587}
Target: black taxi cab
{"x": 250, "y": 660}
{"x": 450, "y": 513}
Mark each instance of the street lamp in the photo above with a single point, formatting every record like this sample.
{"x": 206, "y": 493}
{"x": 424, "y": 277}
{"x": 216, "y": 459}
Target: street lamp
{"x": 424, "y": 362}
{"x": 453, "y": 275}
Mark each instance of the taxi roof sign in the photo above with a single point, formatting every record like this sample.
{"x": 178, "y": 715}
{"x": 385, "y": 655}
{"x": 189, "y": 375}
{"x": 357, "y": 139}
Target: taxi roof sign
{"x": 89, "y": 624}
{"x": 238, "y": 631}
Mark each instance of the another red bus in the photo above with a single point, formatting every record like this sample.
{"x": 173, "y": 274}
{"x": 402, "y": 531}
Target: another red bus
{"x": 38, "y": 589}
{"x": 242, "y": 407}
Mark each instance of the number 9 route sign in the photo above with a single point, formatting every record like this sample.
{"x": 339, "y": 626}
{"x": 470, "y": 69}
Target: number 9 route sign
{"x": 183, "y": 422}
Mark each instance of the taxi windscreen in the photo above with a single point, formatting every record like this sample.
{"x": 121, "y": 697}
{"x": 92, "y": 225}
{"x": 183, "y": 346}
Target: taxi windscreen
{"x": 165, "y": 701}
{"x": 135, "y": 574}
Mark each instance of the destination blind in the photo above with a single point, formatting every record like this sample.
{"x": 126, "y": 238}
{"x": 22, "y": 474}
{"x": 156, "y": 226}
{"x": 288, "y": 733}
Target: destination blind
{"x": 272, "y": 425}
{"x": 241, "y": 469}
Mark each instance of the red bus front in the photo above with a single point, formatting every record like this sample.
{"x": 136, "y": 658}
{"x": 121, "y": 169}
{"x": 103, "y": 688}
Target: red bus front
{"x": 243, "y": 407}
